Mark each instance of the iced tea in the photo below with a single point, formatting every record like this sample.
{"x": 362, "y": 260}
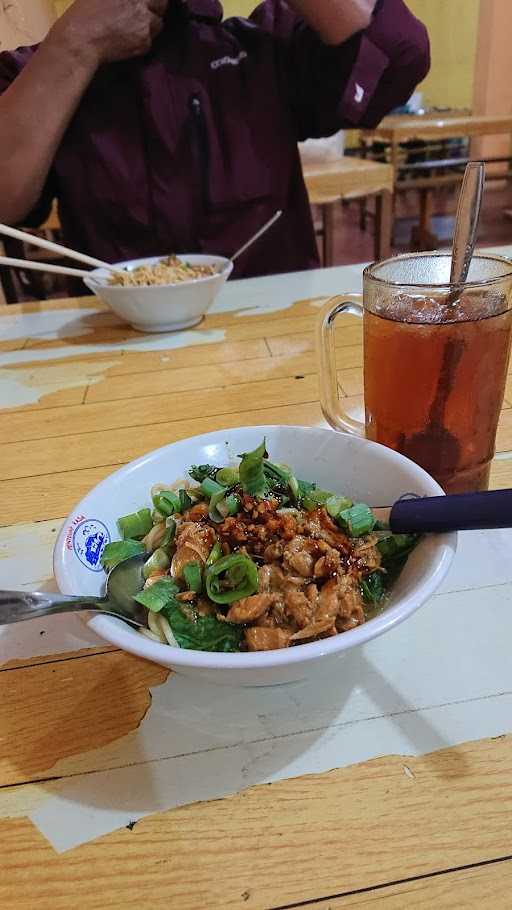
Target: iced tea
{"x": 434, "y": 389}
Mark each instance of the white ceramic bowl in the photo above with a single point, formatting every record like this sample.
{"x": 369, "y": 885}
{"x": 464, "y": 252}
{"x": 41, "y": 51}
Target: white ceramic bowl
{"x": 363, "y": 470}
{"x": 163, "y": 307}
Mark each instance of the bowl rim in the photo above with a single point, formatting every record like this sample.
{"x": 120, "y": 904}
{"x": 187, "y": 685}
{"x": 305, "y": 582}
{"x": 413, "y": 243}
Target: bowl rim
{"x": 260, "y": 660}
{"x": 96, "y": 274}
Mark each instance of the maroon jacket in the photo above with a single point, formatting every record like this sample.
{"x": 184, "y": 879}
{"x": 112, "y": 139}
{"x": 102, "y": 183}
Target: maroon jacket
{"x": 194, "y": 147}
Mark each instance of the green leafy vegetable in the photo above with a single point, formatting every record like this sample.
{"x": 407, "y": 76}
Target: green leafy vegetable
{"x": 119, "y": 551}
{"x": 395, "y": 551}
{"x": 158, "y": 562}
{"x": 281, "y": 480}
{"x": 373, "y": 588}
{"x": 159, "y": 595}
{"x": 357, "y": 521}
{"x": 167, "y": 502}
{"x": 202, "y": 633}
{"x": 192, "y": 576}
{"x": 138, "y": 524}
{"x": 306, "y": 487}
{"x": 252, "y": 473}
{"x": 200, "y": 472}
{"x": 231, "y": 578}
{"x": 397, "y": 545}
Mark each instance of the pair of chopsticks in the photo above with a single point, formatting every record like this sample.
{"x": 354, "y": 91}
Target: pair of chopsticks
{"x": 89, "y": 260}
{"x": 52, "y": 248}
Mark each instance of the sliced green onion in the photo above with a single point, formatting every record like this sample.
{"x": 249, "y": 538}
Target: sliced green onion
{"x": 159, "y": 595}
{"x": 210, "y": 487}
{"x": 227, "y": 476}
{"x": 337, "y": 504}
{"x": 231, "y": 578}
{"x": 357, "y": 521}
{"x": 228, "y": 506}
{"x": 170, "y": 533}
{"x": 167, "y": 502}
{"x": 215, "y": 554}
{"x": 158, "y": 562}
{"x": 316, "y": 498}
{"x": 157, "y": 517}
{"x": 192, "y": 576}
{"x": 293, "y": 483}
{"x": 138, "y": 524}
{"x": 120, "y": 551}
{"x": 213, "y": 512}
{"x": 185, "y": 501}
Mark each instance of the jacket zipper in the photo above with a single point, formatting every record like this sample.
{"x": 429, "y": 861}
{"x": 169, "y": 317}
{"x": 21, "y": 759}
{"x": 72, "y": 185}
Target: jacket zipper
{"x": 201, "y": 132}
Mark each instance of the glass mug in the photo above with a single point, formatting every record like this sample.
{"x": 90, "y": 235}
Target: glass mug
{"x": 435, "y": 362}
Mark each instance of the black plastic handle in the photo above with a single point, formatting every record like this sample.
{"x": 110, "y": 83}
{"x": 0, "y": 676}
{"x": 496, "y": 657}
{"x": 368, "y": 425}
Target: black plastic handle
{"x": 460, "y": 512}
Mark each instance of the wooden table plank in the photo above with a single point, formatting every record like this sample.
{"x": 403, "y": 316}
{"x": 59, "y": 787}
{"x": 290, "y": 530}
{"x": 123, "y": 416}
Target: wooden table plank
{"x": 92, "y": 450}
{"x": 47, "y": 741}
{"x": 483, "y": 886}
{"x": 346, "y": 830}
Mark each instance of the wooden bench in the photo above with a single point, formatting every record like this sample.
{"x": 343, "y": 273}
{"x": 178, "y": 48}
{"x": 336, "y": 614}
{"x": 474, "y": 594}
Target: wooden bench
{"x": 328, "y": 182}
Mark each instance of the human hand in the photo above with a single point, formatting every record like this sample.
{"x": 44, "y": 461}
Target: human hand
{"x": 110, "y": 30}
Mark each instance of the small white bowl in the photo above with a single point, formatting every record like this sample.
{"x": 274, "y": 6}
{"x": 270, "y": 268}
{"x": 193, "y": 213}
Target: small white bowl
{"x": 363, "y": 470}
{"x": 162, "y": 307}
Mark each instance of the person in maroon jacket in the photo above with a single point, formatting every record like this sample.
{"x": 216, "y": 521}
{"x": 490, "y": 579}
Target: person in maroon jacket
{"x": 160, "y": 128}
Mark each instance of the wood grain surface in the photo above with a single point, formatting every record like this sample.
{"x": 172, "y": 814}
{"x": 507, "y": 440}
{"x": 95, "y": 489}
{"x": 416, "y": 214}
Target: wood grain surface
{"x": 428, "y": 832}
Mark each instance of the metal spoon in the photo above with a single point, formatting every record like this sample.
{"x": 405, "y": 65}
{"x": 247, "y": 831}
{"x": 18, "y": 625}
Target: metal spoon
{"x": 466, "y": 225}
{"x": 123, "y": 582}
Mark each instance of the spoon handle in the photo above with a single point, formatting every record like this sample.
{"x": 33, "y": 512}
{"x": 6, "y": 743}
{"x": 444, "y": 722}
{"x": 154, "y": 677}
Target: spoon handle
{"x": 460, "y": 512}
{"x": 466, "y": 222}
{"x": 16, "y": 606}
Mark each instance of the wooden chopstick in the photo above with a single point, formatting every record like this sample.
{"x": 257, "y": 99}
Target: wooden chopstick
{"x": 54, "y": 247}
{"x": 43, "y": 267}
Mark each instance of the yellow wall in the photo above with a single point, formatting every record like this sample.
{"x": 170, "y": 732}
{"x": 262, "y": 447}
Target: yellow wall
{"x": 453, "y": 29}
{"x": 238, "y": 7}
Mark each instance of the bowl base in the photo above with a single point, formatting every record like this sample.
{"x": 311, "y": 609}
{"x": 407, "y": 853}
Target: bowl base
{"x": 166, "y": 327}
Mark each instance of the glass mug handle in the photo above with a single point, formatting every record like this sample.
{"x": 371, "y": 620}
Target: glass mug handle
{"x": 346, "y": 304}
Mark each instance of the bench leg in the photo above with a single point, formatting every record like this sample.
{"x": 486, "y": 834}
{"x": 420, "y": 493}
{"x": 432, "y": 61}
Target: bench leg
{"x": 383, "y": 224}
{"x": 328, "y": 212}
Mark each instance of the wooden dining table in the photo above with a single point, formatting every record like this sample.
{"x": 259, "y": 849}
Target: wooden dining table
{"x": 383, "y": 783}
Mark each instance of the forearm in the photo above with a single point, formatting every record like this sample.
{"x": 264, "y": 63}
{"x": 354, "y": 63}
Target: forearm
{"x": 34, "y": 114}
{"x": 336, "y": 20}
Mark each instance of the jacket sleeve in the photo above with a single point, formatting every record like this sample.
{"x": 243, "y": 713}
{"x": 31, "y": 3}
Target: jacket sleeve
{"x": 354, "y": 84}
{"x": 11, "y": 64}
